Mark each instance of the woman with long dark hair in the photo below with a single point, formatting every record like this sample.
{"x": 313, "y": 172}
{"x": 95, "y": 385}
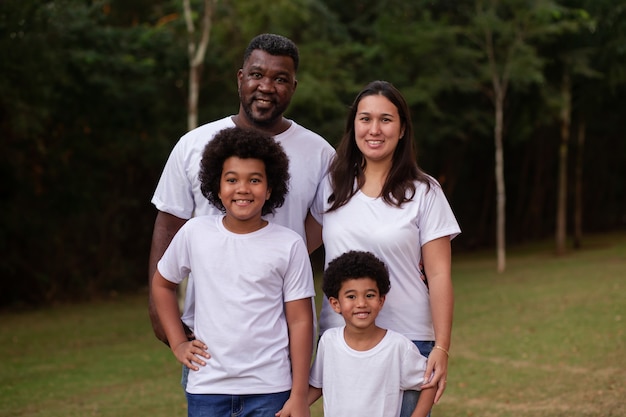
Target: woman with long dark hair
{"x": 377, "y": 199}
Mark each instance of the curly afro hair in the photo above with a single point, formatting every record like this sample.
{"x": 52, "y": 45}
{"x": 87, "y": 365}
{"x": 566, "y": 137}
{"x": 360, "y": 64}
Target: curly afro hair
{"x": 244, "y": 144}
{"x": 352, "y": 265}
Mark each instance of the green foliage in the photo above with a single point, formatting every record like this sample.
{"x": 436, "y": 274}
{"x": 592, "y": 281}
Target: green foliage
{"x": 85, "y": 127}
{"x": 93, "y": 97}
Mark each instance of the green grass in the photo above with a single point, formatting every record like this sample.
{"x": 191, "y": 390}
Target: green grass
{"x": 544, "y": 339}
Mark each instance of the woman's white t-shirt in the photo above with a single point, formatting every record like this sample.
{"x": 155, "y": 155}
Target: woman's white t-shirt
{"x": 396, "y": 236}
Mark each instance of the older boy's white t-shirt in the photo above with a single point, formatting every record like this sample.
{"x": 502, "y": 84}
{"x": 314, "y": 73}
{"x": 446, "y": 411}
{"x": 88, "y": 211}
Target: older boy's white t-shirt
{"x": 241, "y": 284}
{"x": 366, "y": 383}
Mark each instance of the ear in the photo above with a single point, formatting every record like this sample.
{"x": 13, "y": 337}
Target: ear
{"x": 239, "y": 78}
{"x": 334, "y": 303}
{"x": 268, "y": 193}
{"x": 382, "y": 300}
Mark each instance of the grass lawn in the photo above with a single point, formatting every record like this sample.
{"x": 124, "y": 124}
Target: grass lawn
{"x": 544, "y": 339}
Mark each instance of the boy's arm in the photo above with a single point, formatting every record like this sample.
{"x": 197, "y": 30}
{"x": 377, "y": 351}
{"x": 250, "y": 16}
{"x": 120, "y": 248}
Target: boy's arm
{"x": 299, "y": 315}
{"x": 313, "y": 395}
{"x": 163, "y": 294}
{"x": 424, "y": 403}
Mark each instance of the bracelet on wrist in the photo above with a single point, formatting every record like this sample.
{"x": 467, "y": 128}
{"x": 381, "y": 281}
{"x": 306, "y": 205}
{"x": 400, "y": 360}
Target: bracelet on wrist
{"x": 444, "y": 350}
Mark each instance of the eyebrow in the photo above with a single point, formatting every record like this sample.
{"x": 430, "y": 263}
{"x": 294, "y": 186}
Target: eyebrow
{"x": 367, "y": 113}
{"x": 367, "y": 290}
{"x": 261, "y": 174}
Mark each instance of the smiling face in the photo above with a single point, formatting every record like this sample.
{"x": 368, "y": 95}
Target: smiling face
{"x": 377, "y": 128}
{"x": 359, "y": 302}
{"x": 243, "y": 192}
{"x": 266, "y": 84}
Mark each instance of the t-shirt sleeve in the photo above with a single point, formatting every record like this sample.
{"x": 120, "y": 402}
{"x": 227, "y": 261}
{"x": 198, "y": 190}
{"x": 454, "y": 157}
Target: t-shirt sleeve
{"x": 174, "y": 193}
{"x": 298, "y": 283}
{"x": 319, "y": 203}
{"x": 436, "y": 218}
{"x": 317, "y": 374}
{"x": 174, "y": 265}
{"x": 413, "y": 368}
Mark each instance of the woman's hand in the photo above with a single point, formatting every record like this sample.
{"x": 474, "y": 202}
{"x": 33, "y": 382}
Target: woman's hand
{"x": 436, "y": 372}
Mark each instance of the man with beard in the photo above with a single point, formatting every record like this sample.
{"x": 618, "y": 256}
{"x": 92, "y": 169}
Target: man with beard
{"x": 266, "y": 84}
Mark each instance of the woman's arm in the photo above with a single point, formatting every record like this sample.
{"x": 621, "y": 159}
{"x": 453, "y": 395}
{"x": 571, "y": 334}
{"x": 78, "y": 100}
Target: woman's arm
{"x": 437, "y": 259}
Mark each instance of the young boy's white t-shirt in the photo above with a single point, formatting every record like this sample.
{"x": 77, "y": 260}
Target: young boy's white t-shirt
{"x": 366, "y": 383}
{"x": 241, "y": 284}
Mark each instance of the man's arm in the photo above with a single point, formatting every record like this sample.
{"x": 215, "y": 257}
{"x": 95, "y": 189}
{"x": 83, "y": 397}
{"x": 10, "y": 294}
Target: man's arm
{"x": 165, "y": 227}
{"x": 313, "y": 232}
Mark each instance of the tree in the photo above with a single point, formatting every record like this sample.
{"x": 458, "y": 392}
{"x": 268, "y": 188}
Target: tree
{"x": 196, "y": 49}
{"x": 506, "y": 32}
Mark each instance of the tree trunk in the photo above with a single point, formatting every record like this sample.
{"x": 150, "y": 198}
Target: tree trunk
{"x": 561, "y": 211}
{"x": 578, "y": 188}
{"x": 196, "y": 51}
{"x": 500, "y": 186}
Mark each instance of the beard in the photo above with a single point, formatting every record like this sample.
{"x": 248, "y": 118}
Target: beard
{"x": 263, "y": 117}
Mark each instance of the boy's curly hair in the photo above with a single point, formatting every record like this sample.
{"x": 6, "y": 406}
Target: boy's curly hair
{"x": 352, "y": 265}
{"x": 244, "y": 144}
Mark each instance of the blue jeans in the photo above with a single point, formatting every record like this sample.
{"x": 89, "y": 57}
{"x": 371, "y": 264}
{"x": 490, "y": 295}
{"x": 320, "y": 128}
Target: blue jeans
{"x": 184, "y": 378}
{"x": 409, "y": 398}
{"x": 220, "y": 405}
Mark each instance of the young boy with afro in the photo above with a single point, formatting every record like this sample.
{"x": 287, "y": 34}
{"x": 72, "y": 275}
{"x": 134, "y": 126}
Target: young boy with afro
{"x": 253, "y": 286}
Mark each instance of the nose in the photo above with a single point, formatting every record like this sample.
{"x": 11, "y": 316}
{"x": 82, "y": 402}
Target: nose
{"x": 243, "y": 187}
{"x": 266, "y": 84}
{"x": 375, "y": 127}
